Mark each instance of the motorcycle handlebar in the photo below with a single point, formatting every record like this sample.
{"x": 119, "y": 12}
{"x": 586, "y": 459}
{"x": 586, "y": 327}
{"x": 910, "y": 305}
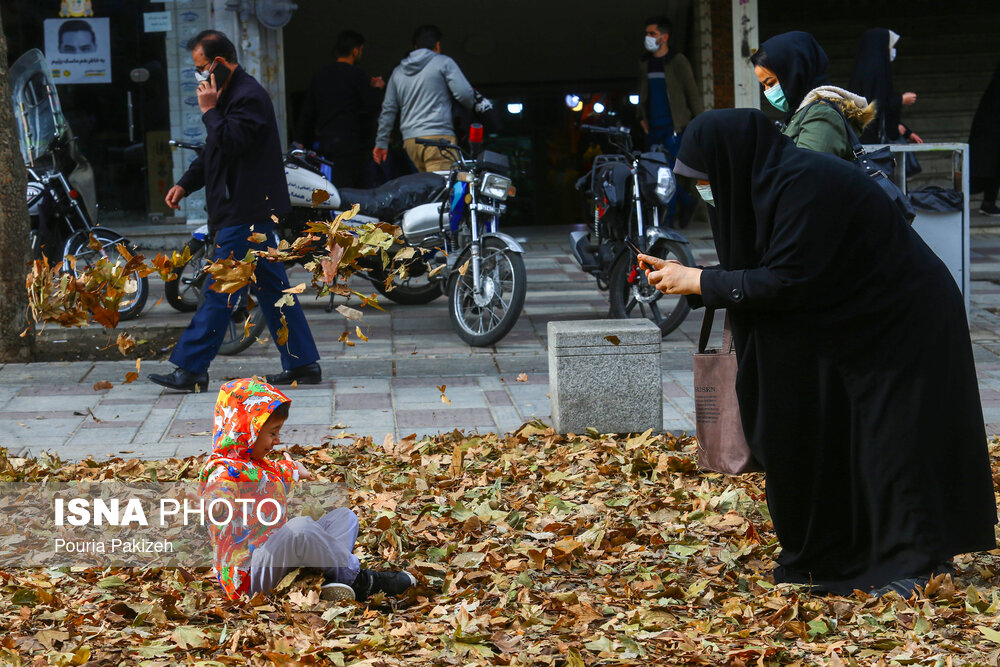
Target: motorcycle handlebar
{"x": 181, "y": 144}
{"x": 597, "y": 129}
{"x": 441, "y": 143}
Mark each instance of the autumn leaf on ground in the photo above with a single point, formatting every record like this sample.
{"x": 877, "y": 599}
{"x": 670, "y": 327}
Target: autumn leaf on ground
{"x": 131, "y": 377}
{"x": 126, "y": 343}
{"x": 360, "y": 335}
{"x": 522, "y": 377}
{"x": 102, "y": 384}
{"x": 281, "y": 338}
{"x": 613, "y": 340}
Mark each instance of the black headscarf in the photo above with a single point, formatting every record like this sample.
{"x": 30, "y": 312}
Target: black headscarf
{"x": 872, "y": 79}
{"x": 800, "y": 64}
{"x": 740, "y": 150}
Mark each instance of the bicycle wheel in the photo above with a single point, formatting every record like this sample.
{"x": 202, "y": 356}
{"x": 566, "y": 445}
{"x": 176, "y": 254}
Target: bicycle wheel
{"x": 183, "y": 293}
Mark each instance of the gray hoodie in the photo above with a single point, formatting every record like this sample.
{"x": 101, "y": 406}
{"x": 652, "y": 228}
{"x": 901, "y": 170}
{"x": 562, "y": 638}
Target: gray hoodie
{"x": 420, "y": 91}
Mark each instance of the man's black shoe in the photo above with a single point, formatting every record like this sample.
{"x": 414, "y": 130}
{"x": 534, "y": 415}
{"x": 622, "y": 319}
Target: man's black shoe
{"x": 308, "y": 374}
{"x": 369, "y": 583}
{"x": 182, "y": 380}
{"x": 991, "y": 210}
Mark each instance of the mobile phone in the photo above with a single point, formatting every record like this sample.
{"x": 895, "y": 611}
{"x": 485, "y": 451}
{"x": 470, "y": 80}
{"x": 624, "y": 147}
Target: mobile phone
{"x": 221, "y": 73}
{"x": 634, "y": 247}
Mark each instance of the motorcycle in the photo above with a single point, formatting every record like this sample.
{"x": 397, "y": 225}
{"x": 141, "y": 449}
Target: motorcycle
{"x": 450, "y": 235}
{"x": 62, "y": 216}
{"x": 629, "y": 192}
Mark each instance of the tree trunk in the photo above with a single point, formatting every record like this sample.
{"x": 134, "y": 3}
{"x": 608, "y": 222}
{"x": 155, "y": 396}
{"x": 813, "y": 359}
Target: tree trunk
{"x": 14, "y": 228}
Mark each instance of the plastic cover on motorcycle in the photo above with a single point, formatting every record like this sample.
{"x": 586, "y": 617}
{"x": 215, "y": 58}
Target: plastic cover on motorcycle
{"x": 388, "y": 201}
{"x": 611, "y": 179}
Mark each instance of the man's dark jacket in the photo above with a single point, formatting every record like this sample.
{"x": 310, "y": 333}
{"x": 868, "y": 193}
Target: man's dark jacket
{"x": 241, "y": 167}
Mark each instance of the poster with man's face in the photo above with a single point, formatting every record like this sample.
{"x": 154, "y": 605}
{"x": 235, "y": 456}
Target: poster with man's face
{"x": 79, "y": 50}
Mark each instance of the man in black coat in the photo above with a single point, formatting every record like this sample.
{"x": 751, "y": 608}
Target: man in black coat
{"x": 244, "y": 179}
{"x": 341, "y": 98}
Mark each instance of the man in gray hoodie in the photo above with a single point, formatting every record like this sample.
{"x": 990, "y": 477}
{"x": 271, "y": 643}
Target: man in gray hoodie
{"x": 420, "y": 92}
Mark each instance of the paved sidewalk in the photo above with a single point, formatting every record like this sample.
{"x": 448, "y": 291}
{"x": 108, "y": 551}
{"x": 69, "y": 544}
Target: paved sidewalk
{"x": 389, "y": 385}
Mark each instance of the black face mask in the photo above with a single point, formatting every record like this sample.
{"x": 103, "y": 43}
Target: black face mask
{"x": 221, "y": 73}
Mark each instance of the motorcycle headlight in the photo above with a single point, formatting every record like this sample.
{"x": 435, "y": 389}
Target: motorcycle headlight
{"x": 496, "y": 186}
{"x": 666, "y": 184}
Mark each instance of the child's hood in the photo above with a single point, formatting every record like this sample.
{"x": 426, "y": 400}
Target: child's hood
{"x": 241, "y": 410}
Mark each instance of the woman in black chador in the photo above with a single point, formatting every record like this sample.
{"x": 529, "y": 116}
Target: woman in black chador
{"x": 856, "y": 380}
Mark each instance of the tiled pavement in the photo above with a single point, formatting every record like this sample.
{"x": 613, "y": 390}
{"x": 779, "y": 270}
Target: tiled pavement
{"x": 389, "y": 385}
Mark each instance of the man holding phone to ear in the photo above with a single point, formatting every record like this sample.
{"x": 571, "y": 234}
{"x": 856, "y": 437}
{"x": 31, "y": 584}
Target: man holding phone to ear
{"x": 243, "y": 175}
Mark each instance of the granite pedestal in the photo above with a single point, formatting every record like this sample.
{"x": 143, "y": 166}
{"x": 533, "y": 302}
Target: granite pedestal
{"x": 605, "y": 374}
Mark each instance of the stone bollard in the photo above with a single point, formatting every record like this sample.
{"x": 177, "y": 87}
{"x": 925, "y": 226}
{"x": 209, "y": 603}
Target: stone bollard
{"x": 605, "y": 374}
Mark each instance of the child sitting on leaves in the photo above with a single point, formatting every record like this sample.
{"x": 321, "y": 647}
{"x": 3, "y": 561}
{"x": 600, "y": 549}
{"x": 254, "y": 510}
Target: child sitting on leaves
{"x": 250, "y": 556}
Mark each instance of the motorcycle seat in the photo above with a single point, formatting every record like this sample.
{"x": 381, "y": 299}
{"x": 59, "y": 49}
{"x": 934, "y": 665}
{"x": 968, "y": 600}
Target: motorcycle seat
{"x": 391, "y": 199}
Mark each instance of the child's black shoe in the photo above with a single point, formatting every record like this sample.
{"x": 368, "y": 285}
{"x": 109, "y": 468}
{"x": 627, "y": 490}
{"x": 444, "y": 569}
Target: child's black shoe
{"x": 370, "y": 582}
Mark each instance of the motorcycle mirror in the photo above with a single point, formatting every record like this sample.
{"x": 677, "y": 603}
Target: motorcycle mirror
{"x": 139, "y": 75}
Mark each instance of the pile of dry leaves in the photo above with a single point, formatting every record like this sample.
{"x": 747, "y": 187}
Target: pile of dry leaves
{"x": 531, "y": 548}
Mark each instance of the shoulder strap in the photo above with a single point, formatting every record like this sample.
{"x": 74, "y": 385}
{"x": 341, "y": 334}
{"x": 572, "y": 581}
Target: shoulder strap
{"x": 706, "y": 332}
{"x": 852, "y": 136}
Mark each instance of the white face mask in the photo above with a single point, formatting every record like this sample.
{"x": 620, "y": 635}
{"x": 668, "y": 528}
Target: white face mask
{"x": 706, "y": 193}
{"x": 201, "y": 76}
{"x": 652, "y": 44}
{"x": 892, "y": 54}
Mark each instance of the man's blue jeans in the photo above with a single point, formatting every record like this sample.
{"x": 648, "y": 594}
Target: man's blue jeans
{"x": 200, "y": 342}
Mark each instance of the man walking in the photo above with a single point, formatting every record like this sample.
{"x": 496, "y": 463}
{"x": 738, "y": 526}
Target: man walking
{"x": 244, "y": 179}
{"x": 340, "y": 97}
{"x": 668, "y": 99}
{"x": 420, "y": 92}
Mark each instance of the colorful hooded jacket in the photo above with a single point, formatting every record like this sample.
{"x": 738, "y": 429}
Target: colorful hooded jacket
{"x": 241, "y": 411}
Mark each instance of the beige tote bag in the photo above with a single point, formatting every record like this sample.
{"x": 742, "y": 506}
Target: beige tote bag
{"x": 721, "y": 444}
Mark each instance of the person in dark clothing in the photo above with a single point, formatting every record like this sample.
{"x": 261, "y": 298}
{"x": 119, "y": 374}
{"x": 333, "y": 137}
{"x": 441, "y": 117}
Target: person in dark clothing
{"x": 244, "y": 179}
{"x": 872, "y": 79}
{"x": 984, "y": 147}
{"x": 668, "y": 99}
{"x": 340, "y": 98}
{"x": 864, "y": 412}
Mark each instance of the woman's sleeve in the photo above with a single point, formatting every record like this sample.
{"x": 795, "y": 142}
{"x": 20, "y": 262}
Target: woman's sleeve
{"x": 791, "y": 268}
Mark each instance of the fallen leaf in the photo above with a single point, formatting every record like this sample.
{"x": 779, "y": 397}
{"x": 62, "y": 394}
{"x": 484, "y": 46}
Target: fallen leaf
{"x": 613, "y": 340}
{"x": 523, "y": 377}
{"x": 360, "y": 335}
{"x": 349, "y": 313}
{"x": 319, "y": 196}
{"x": 102, "y": 384}
{"x": 281, "y": 337}
{"x": 125, "y": 342}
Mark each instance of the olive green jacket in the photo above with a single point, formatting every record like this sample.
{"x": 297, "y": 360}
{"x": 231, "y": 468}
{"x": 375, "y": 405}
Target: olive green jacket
{"x": 820, "y": 128}
{"x": 682, "y": 91}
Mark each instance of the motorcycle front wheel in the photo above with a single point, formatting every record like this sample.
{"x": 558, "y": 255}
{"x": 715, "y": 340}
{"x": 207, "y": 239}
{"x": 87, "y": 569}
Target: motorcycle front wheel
{"x": 133, "y": 302}
{"x": 183, "y": 293}
{"x": 483, "y": 319}
{"x": 244, "y": 305}
{"x": 632, "y": 296}
{"x": 414, "y": 290}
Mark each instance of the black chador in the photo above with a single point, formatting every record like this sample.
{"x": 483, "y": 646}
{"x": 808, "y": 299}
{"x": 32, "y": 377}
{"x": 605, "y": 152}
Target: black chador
{"x": 856, "y": 379}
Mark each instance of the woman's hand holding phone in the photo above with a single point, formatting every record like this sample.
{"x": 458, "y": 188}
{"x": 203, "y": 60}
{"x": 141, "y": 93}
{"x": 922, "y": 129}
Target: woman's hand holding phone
{"x": 670, "y": 276}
